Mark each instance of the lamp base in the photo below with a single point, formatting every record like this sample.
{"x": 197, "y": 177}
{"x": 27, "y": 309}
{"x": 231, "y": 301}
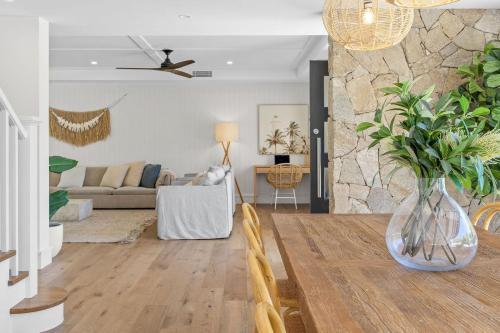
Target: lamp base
{"x": 227, "y": 161}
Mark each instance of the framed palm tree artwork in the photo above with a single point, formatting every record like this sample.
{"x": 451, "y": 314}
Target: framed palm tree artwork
{"x": 283, "y": 129}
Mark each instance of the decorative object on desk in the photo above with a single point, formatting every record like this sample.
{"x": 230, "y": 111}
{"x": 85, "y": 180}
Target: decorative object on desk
{"x": 429, "y": 230}
{"x": 284, "y": 176}
{"x": 283, "y": 129}
{"x": 366, "y": 25}
{"x": 225, "y": 133}
{"x": 81, "y": 128}
{"x": 420, "y": 3}
{"x": 279, "y": 159}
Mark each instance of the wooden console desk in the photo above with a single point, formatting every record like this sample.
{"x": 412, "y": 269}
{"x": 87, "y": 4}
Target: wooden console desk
{"x": 259, "y": 169}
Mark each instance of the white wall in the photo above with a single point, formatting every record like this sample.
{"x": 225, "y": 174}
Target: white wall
{"x": 24, "y": 78}
{"x": 172, "y": 123}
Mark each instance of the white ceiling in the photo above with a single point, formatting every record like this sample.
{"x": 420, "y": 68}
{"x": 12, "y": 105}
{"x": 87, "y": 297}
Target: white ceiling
{"x": 253, "y": 57}
{"x": 160, "y": 17}
{"x": 266, "y": 39}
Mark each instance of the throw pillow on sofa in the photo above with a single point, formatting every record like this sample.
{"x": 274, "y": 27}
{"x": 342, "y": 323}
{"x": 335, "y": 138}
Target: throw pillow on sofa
{"x": 150, "y": 175}
{"x": 73, "y": 177}
{"x": 134, "y": 174}
{"x": 114, "y": 176}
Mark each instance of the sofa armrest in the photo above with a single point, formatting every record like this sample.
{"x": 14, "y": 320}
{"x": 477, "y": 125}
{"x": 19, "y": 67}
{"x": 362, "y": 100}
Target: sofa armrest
{"x": 165, "y": 178}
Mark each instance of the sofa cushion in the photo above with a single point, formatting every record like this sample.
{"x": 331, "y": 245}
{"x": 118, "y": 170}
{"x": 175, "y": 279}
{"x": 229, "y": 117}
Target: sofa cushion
{"x": 101, "y": 190}
{"x": 54, "y": 178}
{"x": 54, "y": 189}
{"x": 150, "y": 175}
{"x": 134, "y": 190}
{"x": 93, "y": 175}
{"x": 72, "y": 177}
{"x": 165, "y": 178}
{"x": 134, "y": 174}
{"x": 114, "y": 176}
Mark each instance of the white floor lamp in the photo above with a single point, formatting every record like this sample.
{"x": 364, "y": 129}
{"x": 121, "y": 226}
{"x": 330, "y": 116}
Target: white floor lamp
{"x": 225, "y": 133}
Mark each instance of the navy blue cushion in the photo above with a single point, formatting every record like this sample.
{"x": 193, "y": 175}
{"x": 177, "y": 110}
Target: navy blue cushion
{"x": 150, "y": 175}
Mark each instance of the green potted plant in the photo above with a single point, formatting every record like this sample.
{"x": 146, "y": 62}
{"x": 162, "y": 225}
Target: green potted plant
{"x": 429, "y": 230}
{"x": 57, "y": 200}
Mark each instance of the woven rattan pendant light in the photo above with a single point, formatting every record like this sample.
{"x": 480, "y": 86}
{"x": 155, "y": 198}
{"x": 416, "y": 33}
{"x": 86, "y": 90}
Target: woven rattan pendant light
{"x": 366, "y": 24}
{"x": 420, "y": 3}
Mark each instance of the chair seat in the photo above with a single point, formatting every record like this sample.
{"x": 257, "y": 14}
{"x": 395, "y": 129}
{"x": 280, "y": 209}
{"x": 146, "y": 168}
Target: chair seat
{"x": 294, "y": 323}
{"x": 287, "y": 288}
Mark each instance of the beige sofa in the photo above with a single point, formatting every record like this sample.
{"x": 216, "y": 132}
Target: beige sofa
{"x": 126, "y": 197}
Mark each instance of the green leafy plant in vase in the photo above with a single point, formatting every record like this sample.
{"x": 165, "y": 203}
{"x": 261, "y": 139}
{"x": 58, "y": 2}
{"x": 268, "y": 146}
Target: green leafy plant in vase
{"x": 481, "y": 90}
{"x": 429, "y": 230}
{"x": 59, "y": 199}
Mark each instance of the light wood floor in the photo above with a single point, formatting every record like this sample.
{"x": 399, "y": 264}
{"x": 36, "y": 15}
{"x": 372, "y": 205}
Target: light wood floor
{"x": 162, "y": 286}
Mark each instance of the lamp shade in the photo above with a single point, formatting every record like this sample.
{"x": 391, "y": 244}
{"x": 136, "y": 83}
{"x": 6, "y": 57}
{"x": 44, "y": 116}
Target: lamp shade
{"x": 226, "y": 132}
{"x": 420, "y": 3}
{"x": 366, "y": 25}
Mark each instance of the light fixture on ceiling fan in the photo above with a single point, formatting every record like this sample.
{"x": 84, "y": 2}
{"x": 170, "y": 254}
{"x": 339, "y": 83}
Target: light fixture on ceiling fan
{"x": 168, "y": 66}
{"x": 366, "y": 25}
{"x": 420, "y": 3}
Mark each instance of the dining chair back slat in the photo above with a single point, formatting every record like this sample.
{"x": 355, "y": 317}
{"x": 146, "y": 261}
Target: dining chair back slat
{"x": 252, "y": 235}
{"x": 249, "y": 213}
{"x": 267, "y": 319}
{"x": 284, "y": 175}
{"x": 490, "y": 210}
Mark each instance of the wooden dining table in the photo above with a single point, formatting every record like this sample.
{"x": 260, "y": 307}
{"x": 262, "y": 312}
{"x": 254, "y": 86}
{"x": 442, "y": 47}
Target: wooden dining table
{"x": 347, "y": 281}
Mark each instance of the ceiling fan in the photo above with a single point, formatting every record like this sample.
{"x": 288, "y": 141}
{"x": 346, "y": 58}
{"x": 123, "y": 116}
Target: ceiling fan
{"x": 168, "y": 66}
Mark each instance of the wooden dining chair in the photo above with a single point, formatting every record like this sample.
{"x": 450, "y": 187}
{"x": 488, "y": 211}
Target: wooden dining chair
{"x": 252, "y": 235}
{"x": 265, "y": 289}
{"x": 490, "y": 210}
{"x": 284, "y": 176}
{"x": 267, "y": 319}
{"x": 250, "y": 214}
{"x": 287, "y": 288}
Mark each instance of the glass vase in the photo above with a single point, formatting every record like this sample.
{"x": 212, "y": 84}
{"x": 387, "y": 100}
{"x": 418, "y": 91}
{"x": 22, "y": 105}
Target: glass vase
{"x": 430, "y": 231}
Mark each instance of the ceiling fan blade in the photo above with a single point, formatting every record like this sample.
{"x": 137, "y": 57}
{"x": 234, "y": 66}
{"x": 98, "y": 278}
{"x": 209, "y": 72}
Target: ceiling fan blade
{"x": 181, "y": 64}
{"x": 181, "y": 73}
{"x": 140, "y": 68}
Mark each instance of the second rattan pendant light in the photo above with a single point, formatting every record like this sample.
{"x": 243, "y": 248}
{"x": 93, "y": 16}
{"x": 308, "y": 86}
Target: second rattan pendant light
{"x": 366, "y": 24}
{"x": 420, "y": 3}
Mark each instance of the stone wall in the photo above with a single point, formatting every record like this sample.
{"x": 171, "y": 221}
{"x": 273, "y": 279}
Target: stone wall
{"x": 439, "y": 41}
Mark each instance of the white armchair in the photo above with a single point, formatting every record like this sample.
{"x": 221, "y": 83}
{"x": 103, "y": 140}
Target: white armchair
{"x": 196, "y": 211}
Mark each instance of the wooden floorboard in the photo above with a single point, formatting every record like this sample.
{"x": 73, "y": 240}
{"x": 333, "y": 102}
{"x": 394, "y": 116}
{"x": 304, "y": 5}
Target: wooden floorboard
{"x": 161, "y": 286}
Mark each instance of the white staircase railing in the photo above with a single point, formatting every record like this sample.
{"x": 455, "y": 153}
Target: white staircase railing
{"x": 19, "y": 193}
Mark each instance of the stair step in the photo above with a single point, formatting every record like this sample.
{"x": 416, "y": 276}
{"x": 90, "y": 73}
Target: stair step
{"x": 45, "y": 299}
{"x": 15, "y": 279}
{"x": 7, "y": 255}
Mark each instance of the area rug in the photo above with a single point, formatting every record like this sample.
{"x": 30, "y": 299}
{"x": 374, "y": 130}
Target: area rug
{"x": 109, "y": 226}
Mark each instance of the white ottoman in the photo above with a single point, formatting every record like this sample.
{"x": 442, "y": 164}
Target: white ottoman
{"x": 75, "y": 210}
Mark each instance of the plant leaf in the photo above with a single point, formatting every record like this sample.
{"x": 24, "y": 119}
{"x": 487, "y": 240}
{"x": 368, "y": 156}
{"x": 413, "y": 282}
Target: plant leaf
{"x": 464, "y": 103}
{"x": 493, "y": 81}
{"x": 363, "y": 126}
{"x": 59, "y": 164}
{"x": 432, "y": 152}
{"x": 378, "y": 115}
{"x": 480, "y": 111}
{"x": 491, "y": 66}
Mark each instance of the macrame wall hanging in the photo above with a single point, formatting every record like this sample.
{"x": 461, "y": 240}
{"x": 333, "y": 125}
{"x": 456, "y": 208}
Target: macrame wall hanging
{"x": 81, "y": 128}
